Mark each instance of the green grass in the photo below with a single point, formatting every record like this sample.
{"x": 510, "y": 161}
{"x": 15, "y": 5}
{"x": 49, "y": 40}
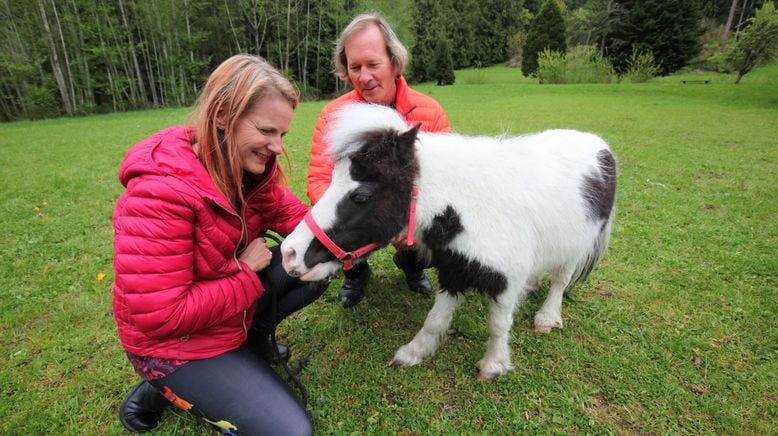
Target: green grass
{"x": 674, "y": 333}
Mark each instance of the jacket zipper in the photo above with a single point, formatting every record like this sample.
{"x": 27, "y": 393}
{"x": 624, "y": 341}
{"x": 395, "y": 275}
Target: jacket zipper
{"x": 243, "y": 231}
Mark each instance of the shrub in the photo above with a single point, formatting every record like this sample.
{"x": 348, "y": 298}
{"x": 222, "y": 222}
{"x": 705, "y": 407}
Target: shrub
{"x": 583, "y": 64}
{"x": 41, "y": 102}
{"x": 641, "y": 67}
{"x": 442, "y": 69}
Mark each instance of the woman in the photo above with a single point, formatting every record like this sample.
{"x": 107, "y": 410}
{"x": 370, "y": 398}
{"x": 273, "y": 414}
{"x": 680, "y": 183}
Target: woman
{"x": 194, "y": 282}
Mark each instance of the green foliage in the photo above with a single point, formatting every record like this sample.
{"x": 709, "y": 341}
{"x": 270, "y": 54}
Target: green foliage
{"x": 427, "y": 26}
{"x": 641, "y": 67}
{"x": 547, "y": 31}
{"x": 40, "y": 102}
{"x": 479, "y": 32}
{"x": 582, "y": 64}
{"x": 442, "y": 64}
{"x": 758, "y": 44}
{"x": 670, "y": 29}
{"x": 551, "y": 67}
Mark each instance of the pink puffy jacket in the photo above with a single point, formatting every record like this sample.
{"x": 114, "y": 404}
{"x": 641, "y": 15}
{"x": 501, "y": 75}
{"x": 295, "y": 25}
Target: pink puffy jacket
{"x": 414, "y": 107}
{"x": 180, "y": 291}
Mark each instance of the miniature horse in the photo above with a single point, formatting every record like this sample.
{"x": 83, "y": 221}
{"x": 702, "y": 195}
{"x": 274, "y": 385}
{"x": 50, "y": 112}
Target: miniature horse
{"x": 492, "y": 214}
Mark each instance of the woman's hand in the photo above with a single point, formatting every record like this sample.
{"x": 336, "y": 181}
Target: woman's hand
{"x": 256, "y": 255}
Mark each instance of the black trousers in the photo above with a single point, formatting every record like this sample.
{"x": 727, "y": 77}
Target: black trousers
{"x": 238, "y": 391}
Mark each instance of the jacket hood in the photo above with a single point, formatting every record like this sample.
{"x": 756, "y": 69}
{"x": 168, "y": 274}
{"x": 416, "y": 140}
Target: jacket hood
{"x": 170, "y": 153}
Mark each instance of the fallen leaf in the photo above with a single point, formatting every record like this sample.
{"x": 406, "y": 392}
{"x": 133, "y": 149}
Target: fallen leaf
{"x": 697, "y": 389}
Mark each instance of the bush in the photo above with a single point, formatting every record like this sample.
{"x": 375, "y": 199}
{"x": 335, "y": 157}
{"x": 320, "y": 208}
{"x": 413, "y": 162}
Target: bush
{"x": 583, "y": 64}
{"x": 41, "y": 102}
{"x": 641, "y": 67}
{"x": 442, "y": 64}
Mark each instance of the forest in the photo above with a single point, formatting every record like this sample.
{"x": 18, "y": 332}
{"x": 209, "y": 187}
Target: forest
{"x": 79, "y": 57}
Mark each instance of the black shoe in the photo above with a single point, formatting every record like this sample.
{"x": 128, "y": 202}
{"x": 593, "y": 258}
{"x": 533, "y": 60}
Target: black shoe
{"x": 354, "y": 284}
{"x": 408, "y": 261}
{"x": 419, "y": 283}
{"x": 142, "y": 409}
{"x": 265, "y": 351}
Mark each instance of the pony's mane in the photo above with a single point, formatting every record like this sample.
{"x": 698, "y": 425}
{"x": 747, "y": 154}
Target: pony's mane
{"x": 353, "y": 121}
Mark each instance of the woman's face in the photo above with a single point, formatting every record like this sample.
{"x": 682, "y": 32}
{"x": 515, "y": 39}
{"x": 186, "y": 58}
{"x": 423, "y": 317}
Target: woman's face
{"x": 259, "y": 132}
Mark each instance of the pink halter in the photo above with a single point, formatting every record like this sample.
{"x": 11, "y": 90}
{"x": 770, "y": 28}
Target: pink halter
{"x": 348, "y": 257}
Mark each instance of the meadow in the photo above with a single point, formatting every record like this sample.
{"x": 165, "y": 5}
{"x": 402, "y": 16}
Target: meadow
{"x": 675, "y": 332}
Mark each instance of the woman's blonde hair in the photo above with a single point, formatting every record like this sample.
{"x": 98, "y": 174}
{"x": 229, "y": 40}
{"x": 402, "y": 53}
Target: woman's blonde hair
{"x": 231, "y": 91}
{"x": 394, "y": 47}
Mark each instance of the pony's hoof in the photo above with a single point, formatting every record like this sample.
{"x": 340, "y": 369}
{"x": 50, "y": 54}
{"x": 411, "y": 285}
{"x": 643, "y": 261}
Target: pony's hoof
{"x": 394, "y": 364}
{"x": 545, "y": 322}
{"x": 486, "y": 377}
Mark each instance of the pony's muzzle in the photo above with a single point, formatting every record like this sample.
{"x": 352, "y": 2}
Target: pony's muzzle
{"x": 289, "y": 261}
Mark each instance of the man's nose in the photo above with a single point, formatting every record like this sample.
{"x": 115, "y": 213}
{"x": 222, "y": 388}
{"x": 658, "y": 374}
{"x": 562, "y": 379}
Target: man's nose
{"x": 364, "y": 75}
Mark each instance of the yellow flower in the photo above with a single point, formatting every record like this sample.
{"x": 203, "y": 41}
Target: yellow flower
{"x": 37, "y": 210}
{"x": 100, "y": 276}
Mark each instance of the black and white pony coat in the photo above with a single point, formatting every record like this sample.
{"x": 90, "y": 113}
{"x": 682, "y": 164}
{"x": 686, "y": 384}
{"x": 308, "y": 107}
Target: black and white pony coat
{"x": 493, "y": 214}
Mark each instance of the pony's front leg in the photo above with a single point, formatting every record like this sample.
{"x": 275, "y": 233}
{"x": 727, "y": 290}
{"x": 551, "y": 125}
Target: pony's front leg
{"x": 497, "y": 360}
{"x": 435, "y": 327}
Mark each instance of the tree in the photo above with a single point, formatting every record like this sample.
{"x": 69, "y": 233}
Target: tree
{"x": 546, "y": 31}
{"x": 757, "y": 44}
{"x": 56, "y": 65}
{"x": 498, "y": 22}
{"x": 442, "y": 69}
{"x": 670, "y": 29}
{"x": 427, "y": 26}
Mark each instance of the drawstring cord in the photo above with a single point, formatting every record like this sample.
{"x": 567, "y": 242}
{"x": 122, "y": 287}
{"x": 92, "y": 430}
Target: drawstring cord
{"x": 274, "y": 344}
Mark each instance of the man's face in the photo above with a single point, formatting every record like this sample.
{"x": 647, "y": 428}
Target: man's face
{"x": 370, "y": 70}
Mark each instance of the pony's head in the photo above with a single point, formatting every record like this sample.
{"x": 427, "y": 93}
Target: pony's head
{"x": 368, "y": 199}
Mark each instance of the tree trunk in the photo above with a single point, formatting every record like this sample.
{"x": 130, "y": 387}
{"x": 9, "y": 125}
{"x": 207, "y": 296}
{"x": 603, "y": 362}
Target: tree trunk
{"x": 134, "y": 56}
{"x": 730, "y": 19}
{"x": 18, "y": 53}
{"x": 288, "y": 23}
{"x": 189, "y": 41}
{"x": 71, "y": 87}
{"x": 108, "y": 62}
{"x": 232, "y": 27}
{"x": 86, "y": 93}
{"x": 742, "y": 15}
{"x": 150, "y": 70}
{"x": 54, "y": 59}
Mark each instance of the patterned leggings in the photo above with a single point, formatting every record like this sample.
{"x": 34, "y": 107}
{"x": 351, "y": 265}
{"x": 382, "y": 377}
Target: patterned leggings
{"x": 237, "y": 391}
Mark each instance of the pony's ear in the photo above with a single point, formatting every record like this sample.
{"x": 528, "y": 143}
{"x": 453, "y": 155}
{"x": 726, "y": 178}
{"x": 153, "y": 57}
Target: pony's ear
{"x": 406, "y": 140}
{"x": 410, "y": 134}
{"x": 403, "y": 148}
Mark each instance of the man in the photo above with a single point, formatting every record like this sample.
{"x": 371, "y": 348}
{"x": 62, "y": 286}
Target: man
{"x": 369, "y": 57}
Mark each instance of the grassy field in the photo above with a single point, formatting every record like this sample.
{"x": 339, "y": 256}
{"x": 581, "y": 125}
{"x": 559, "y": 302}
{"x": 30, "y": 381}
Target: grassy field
{"x": 675, "y": 332}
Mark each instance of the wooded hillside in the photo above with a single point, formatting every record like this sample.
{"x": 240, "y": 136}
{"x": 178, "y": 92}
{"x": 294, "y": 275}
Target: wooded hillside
{"x": 74, "y": 57}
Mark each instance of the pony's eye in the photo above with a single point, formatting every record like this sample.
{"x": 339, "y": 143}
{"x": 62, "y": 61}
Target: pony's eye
{"x": 364, "y": 192}
{"x": 360, "y": 197}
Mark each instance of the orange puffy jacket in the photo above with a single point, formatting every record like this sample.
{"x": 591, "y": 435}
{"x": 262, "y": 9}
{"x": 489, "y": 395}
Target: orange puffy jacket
{"x": 414, "y": 106}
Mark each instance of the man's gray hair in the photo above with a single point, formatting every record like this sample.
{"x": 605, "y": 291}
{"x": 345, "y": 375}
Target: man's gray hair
{"x": 394, "y": 48}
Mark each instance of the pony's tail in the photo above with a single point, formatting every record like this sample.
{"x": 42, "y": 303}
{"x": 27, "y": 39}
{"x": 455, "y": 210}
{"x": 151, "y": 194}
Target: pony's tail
{"x": 590, "y": 261}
